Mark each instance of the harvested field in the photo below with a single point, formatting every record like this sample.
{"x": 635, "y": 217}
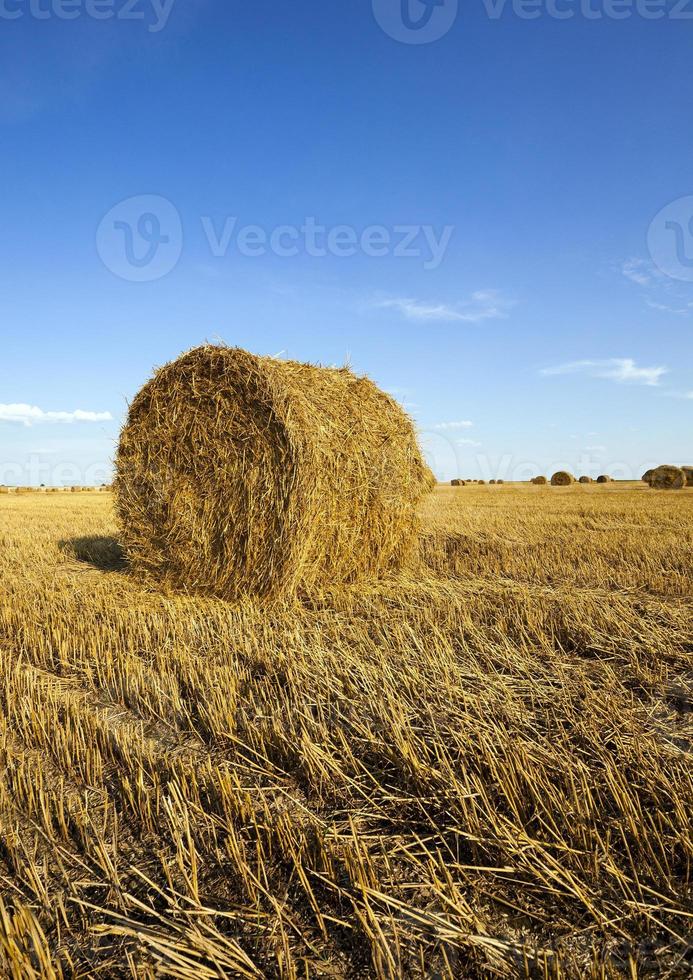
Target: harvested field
{"x": 476, "y": 767}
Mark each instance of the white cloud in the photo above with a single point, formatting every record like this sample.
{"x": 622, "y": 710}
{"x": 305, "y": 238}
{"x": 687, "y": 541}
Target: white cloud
{"x": 663, "y": 297}
{"x": 32, "y": 415}
{"x": 639, "y": 271}
{"x": 679, "y": 311}
{"x": 444, "y": 426}
{"x": 483, "y": 305}
{"x": 623, "y": 370}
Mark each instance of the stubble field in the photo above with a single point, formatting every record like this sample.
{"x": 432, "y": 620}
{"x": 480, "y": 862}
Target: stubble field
{"x": 479, "y": 768}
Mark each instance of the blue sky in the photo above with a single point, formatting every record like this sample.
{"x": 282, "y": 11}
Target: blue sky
{"x": 506, "y": 208}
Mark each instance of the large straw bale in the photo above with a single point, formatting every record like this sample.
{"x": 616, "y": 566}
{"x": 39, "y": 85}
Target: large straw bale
{"x": 239, "y": 474}
{"x": 562, "y": 479}
{"x": 668, "y": 478}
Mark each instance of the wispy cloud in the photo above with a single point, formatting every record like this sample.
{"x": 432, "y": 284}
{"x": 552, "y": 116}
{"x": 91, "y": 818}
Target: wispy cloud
{"x": 445, "y": 426}
{"x": 482, "y": 305}
{"x": 29, "y": 415}
{"x": 467, "y": 442}
{"x": 665, "y": 308}
{"x": 640, "y": 271}
{"x": 623, "y": 370}
{"x": 663, "y": 296}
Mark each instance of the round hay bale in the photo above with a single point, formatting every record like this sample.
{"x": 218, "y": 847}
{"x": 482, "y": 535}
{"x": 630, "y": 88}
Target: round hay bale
{"x": 668, "y": 478}
{"x": 688, "y": 470}
{"x": 647, "y": 476}
{"x": 4, "y": 490}
{"x": 540, "y": 481}
{"x": 604, "y": 479}
{"x": 238, "y": 474}
{"x": 562, "y": 479}
{"x": 429, "y": 478}
{"x": 586, "y": 479}
{"x": 500, "y": 481}
{"x": 493, "y": 482}
{"x": 457, "y": 483}
{"x": 481, "y": 482}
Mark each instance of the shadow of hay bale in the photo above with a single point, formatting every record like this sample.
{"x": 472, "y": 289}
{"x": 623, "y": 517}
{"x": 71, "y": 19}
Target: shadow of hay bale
{"x": 102, "y": 552}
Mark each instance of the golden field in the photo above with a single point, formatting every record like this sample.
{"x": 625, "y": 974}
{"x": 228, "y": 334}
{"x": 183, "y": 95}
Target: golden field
{"x": 480, "y": 768}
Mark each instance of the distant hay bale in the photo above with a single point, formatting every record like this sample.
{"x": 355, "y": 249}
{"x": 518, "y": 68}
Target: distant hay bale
{"x": 540, "y": 481}
{"x": 586, "y": 479}
{"x": 604, "y": 479}
{"x": 481, "y": 482}
{"x": 688, "y": 470}
{"x": 647, "y": 476}
{"x": 668, "y": 478}
{"x": 239, "y": 474}
{"x": 457, "y": 483}
{"x": 4, "y": 490}
{"x": 562, "y": 479}
{"x": 500, "y": 481}
{"x": 75, "y": 489}
{"x": 492, "y": 481}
